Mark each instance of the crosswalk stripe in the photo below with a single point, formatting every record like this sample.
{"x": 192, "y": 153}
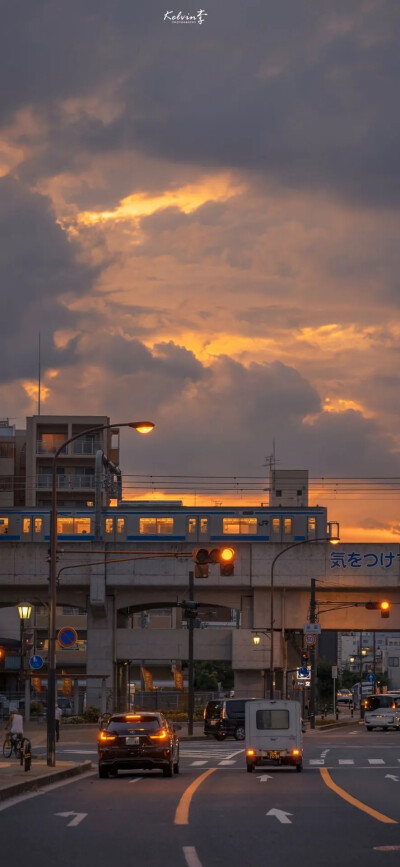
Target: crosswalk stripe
{"x": 346, "y": 761}
{"x": 198, "y": 764}
{"x": 316, "y": 761}
{"x": 227, "y": 762}
{"x": 376, "y": 761}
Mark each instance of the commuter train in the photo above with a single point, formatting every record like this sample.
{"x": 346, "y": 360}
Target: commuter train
{"x": 167, "y": 522}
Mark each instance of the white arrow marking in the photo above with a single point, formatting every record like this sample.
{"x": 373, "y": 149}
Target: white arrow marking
{"x": 281, "y": 816}
{"x": 391, "y": 777}
{"x": 264, "y": 778}
{"x": 74, "y": 822}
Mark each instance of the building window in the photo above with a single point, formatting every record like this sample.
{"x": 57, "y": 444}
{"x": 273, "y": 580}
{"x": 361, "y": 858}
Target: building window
{"x": 312, "y": 526}
{"x": 287, "y": 526}
{"x": 109, "y": 525}
{"x": 203, "y": 526}
{"x": 278, "y": 493}
{"x": 6, "y": 483}
{"x": 276, "y": 525}
{"x": 26, "y": 525}
{"x": 73, "y": 526}
{"x": 6, "y": 450}
{"x": 50, "y": 442}
{"x": 393, "y": 661}
{"x": 3, "y": 526}
{"x": 156, "y": 526}
{"x": 120, "y": 525}
{"x": 38, "y": 524}
{"x": 239, "y": 526}
{"x": 192, "y": 525}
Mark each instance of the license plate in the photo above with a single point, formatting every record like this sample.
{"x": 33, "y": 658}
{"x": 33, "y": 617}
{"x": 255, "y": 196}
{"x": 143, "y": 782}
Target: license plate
{"x": 273, "y": 754}
{"x": 213, "y": 722}
{"x": 132, "y": 741}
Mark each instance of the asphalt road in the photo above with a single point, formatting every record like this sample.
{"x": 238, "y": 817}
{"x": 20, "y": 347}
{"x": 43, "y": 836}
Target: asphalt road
{"x": 344, "y": 807}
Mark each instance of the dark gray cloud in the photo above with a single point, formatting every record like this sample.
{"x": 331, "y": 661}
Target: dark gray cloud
{"x": 37, "y": 268}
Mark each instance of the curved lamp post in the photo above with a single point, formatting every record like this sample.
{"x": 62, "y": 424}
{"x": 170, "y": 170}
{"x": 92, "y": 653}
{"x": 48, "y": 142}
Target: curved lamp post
{"x": 143, "y": 427}
{"x": 332, "y": 540}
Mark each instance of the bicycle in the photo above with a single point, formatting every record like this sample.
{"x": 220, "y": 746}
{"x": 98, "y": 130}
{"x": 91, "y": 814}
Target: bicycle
{"x": 12, "y": 744}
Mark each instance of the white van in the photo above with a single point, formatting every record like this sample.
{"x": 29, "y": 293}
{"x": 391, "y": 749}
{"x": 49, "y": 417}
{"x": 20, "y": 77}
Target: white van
{"x": 273, "y": 733}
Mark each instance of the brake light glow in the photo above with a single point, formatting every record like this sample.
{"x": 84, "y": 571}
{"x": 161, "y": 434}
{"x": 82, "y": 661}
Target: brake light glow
{"x": 295, "y": 752}
{"x": 250, "y": 752}
{"x": 204, "y": 713}
{"x": 104, "y": 736}
{"x": 133, "y": 716}
{"x": 160, "y": 736}
{"x": 224, "y": 714}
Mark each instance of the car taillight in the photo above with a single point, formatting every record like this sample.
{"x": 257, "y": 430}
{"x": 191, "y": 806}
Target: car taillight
{"x": 103, "y": 737}
{"x": 250, "y": 752}
{"x": 295, "y": 752}
{"x": 160, "y": 736}
{"x": 224, "y": 714}
{"x": 204, "y": 713}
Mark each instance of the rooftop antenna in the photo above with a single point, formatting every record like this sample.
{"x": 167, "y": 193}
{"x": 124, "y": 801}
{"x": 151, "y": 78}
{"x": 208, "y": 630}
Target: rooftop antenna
{"x": 39, "y": 375}
{"x": 270, "y": 461}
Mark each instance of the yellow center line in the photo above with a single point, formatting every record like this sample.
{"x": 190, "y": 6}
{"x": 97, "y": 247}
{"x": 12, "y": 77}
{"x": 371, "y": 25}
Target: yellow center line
{"x": 349, "y": 798}
{"x": 182, "y": 810}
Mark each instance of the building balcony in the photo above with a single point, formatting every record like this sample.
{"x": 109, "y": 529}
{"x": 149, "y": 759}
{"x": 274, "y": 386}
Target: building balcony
{"x": 79, "y": 448}
{"x": 67, "y": 482}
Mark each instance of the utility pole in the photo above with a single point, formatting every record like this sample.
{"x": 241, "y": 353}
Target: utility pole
{"x": 313, "y": 657}
{"x": 190, "y": 623}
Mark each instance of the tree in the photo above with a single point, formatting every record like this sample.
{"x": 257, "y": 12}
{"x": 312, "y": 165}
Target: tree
{"x": 209, "y": 674}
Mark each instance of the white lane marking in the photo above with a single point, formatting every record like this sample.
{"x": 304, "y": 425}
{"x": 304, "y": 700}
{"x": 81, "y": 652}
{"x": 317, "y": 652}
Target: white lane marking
{"x": 280, "y": 815}
{"x": 346, "y": 761}
{"x": 264, "y": 777}
{"x": 191, "y": 856}
{"x": 236, "y": 753}
{"x": 316, "y": 761}
{"x": 391, "y": 777}
{"x": 376, "y": 761}
{"x": 82, "y": 752}
{"x": 227, "y": 762}
{"x": 198, "y": 764}
{"x": 78, "y": 818}
{"x": 135, "y": 780}
{"x": 13, "y": 802}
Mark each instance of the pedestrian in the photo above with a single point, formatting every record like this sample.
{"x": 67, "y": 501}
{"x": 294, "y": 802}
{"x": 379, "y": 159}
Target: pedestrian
{"x": 58, "y": 715}
{"x": 15, "y": 724}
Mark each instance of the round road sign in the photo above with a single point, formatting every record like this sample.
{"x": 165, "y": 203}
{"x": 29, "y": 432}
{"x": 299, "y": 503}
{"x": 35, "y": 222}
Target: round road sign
{"x": 36, "y": 662}
{"x": 310, "y": 638}
{"x": 67, "y": 636}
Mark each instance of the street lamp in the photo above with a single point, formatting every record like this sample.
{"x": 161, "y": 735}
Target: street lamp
{"x": 142, "y": 427}
{"x": 333, "y": 539}
{"x": 24, "y": 611}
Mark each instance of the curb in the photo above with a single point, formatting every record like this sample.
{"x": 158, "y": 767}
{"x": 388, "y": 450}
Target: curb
{"x": 38, "y": 782}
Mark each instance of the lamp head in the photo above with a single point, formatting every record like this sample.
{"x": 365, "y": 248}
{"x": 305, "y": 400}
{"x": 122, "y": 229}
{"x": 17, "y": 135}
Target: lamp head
{"x": 143, "y": 427}
{"x": 256, "y": 639}
{"x": 24, "y": 610}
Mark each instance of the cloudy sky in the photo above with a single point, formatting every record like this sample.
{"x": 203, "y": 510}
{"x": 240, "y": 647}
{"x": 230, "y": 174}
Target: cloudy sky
{"x": 202, "y": 221}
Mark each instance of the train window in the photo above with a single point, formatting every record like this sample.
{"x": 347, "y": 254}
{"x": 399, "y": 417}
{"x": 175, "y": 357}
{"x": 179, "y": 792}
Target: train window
{"x": 38, "y": 525}
{"x": 192, "y": 525}
{"x": 3, "y": 526}
{"x": 203, "y": 526}
{"x": 73, "y": 526}
{"x": 109, "y": 525}
{"x": 26, "y": 525}
{"x": 156, "y": 526}
{"x": 287, "y": 524}
{"x": 276, "y": 525}
{"x": 312, "y": 526}
{"x": 120, "y": 525}
{"x": 244, "y": 526}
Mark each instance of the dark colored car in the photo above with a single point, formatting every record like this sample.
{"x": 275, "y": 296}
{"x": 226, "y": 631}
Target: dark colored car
{"x": 128, "y": 741}
{"x": 225, "y": 718}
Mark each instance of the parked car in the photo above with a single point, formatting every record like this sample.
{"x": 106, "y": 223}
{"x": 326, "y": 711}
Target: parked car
{"x": 225, "y": 718}
{"x": 138, "y": 740}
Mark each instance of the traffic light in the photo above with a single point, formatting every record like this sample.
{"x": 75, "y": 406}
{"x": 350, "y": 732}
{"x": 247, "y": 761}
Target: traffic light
{"x": 189, "y": 609}
{"x": 27, "y": 640}
{"x": 383, "y": 607}
{"x": 203, "y": 556}
{"x": 304, "y": 657}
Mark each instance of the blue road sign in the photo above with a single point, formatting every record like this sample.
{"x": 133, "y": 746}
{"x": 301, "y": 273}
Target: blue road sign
{"x": 36, "y": 662}
{"x": 67, "y": 637}
{"x": 303, "y": 671}
{"x": 370, "y": 677}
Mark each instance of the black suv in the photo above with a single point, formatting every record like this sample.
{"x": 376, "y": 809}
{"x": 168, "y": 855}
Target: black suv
{"x": 225, "y": 718}
{"x": 138, "y": 740}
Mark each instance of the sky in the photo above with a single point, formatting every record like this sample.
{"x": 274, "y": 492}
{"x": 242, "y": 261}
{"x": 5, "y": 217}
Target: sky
{"x": 202, "y": 222}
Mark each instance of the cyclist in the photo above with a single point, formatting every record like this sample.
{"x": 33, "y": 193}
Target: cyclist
{"x": 15, "y": 725}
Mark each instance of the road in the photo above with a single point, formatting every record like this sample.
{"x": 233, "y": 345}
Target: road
{"x": 344, "y": 806}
